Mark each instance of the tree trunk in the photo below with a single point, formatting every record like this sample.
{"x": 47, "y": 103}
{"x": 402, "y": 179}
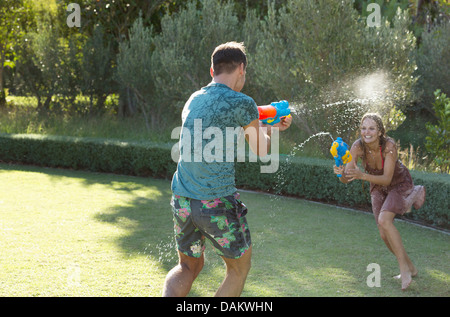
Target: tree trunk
{"x": 141, "y": 103}
{"x": 2, "y": 89}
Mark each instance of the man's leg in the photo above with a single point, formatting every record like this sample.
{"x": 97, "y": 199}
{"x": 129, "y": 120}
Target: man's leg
{"x": 179, "y": 280}
{"x": 237, "y": 271}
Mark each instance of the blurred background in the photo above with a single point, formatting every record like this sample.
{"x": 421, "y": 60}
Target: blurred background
{"x": 127, "y": 71}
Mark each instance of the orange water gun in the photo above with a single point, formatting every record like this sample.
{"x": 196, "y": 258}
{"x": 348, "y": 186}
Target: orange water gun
{"x": 274, "y": 112}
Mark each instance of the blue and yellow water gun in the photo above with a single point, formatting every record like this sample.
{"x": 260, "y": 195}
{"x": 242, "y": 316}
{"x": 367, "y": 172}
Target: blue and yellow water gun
{"x": 340, "y": 152}
{"x": 273, "y": 113}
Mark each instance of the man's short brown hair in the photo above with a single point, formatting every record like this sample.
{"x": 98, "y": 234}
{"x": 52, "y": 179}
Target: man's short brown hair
{"x": 227, "y": 57}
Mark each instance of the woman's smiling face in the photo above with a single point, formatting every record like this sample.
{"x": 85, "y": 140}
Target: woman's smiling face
{"x": 369, "y": 131}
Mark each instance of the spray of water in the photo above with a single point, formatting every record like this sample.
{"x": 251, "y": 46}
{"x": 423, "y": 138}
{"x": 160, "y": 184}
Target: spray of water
{"x": 374, "y": 86}
{"x": 366, "y": 93}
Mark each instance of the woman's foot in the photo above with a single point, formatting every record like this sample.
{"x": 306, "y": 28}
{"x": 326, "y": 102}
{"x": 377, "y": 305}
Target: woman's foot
{"x": 420, "y": 197}
{"x": 413, "y": 274}
{"x": 416, "y": 198}
{"x": 406, "y": 280}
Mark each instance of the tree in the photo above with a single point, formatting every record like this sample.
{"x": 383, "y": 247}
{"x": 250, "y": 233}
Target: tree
{"x": 182, "y": 55}
{"x": 16, "y": 17}
{"x": 44, "y": 65}
{"x": 134, "y": 70}
{"x": 116, "y": 19}
{"x": 96, "y": 68}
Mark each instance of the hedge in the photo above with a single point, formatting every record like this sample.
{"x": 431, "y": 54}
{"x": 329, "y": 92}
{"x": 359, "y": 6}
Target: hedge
{"x": 93, "y": 154}
{"x": 300, "y": 177}
{"x": 314, "y": 179}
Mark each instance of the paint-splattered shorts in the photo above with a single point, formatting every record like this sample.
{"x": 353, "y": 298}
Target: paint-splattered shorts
{"x": 221, "y": 220}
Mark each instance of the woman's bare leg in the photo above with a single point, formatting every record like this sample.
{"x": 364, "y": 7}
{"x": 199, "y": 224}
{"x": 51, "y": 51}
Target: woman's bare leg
{"x": 393, "y": 241}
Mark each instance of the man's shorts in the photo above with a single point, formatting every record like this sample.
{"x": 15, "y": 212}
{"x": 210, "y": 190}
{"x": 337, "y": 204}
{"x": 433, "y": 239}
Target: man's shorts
{"x": 221, "y": 220}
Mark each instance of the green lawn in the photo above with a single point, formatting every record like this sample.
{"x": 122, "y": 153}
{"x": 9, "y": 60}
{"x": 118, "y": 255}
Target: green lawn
{"x": 71, "y": 233}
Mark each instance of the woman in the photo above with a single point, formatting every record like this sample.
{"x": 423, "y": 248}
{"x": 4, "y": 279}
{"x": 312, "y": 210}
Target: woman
{"x": 391, "y": 187}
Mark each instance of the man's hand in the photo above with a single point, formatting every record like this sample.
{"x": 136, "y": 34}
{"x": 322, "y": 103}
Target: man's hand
{"x": 283, "y": 125}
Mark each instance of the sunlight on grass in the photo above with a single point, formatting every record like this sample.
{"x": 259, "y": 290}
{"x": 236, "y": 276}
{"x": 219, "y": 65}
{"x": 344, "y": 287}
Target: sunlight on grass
{"x": 69, "y": 233}
{"x": 52, "y": 233}
{"x": 439, "y": 275}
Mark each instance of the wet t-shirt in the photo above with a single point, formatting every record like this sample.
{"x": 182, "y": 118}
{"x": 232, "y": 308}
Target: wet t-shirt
{"x": 211, "y": 121}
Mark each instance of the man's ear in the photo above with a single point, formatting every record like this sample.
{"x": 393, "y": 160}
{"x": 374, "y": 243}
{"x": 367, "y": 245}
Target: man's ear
{"x": 211, "y": 71}
{"x": 242, "y": 68}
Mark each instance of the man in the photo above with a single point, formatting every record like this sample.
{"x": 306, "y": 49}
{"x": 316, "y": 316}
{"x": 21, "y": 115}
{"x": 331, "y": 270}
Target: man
{"x": 205, "y": 202}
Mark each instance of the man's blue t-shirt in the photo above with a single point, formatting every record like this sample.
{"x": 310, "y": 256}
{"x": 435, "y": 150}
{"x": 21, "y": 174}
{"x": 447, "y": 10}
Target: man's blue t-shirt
{"x": 206, "y": 169}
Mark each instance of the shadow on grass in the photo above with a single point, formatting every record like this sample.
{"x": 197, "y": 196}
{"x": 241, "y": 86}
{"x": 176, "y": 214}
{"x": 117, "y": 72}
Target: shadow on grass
{"x": 313, "y": 250}
{"x": 149, "y": 224}
{"x": 299, "y": 249}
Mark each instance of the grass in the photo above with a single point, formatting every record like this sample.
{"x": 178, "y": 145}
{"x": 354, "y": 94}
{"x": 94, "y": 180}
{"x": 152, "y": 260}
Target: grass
{"x": 21, "y": 117}
{"x": 72, "y": 233}
{"x": 25, "y": 119}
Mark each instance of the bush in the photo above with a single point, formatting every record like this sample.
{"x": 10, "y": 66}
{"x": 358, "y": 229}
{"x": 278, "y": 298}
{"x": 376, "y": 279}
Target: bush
{"x": 333, "y": 72}
{"x": 301, "y": 177}
{"x": 438, "y": 139}
{"x": 436, "y": 210}
{"x": 313, "y": 179}
{"x": 93, "y": 154}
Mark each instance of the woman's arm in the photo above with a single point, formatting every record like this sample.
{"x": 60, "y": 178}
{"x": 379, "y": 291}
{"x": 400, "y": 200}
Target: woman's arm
{"x": 356, "y": 153}
{"x": 388, "y": 172}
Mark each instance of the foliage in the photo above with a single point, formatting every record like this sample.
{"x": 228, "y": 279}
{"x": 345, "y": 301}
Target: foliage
{"x": 97, "y": 69}
{"x": 438, "y": 139}
{"x": 16, "y": 17}
{"x": 320, "y": 67}
{"x": 181, "y": 58}
{"x": 41, "y": 64}
{"x": 433, "y": 63}
{"x": 134, "y": 69}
